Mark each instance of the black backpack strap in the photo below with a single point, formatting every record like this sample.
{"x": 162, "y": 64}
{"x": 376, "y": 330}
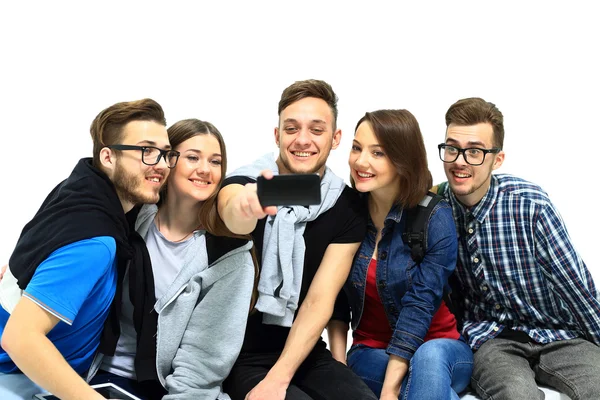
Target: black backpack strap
{"x": 415, "y": 229}
{"x": 415, "y": 235}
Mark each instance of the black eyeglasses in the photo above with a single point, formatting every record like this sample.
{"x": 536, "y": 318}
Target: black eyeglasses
{"x": 151, "y": 155}
{"x": 471, "y": 155}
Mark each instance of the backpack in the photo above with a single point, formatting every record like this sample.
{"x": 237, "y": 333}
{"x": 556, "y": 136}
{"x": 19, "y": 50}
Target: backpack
{"x": 415, "y": 236}
{"x": 415, "y": 229}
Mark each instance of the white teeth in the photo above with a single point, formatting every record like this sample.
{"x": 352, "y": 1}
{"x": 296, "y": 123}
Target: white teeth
{"x": 154, "y": 180}
{"x": 364, "y": 175}
{"x": 458, "y": 174}
{"x": 200, "y": 182}
{"x": 302, "y": 153}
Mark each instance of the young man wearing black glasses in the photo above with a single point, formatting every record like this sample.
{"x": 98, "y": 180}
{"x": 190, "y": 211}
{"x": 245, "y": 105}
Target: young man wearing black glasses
{"x": 57, "y": 292}
{"x": 531, "y": 310}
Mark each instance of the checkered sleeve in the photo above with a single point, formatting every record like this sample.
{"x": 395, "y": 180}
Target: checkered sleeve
{"x": 568, "y": 273}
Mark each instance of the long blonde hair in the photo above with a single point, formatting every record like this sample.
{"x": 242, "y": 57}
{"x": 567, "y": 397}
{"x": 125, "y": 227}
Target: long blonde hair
{"x": 208, "y": 216}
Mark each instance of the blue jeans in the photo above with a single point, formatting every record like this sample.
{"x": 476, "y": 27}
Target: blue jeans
{"x": 439, "y": 369}
{"x": 18, "y": 387}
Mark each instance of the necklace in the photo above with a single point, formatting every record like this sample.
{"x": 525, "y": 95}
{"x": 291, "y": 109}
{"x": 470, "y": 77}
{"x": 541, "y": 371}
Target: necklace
{"x": 174, "y": 241}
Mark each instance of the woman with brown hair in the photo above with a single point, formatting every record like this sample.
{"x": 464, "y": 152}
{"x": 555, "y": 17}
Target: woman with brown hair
{"x": 405, "y": 340}
{"x": 202, "y": 280}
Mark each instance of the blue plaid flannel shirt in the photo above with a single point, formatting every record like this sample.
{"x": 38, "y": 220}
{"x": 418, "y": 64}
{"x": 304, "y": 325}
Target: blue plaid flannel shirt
{"x": 518, "y": 268}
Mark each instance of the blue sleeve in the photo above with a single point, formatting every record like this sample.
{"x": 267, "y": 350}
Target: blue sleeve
{"x": 64, "y": 280}
{"x": 423, "y": 299}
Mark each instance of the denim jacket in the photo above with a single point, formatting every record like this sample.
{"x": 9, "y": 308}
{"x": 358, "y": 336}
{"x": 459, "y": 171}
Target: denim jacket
{"x": 411, "y": 294}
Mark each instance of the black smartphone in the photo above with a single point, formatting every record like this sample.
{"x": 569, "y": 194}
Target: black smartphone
{"x": 289, "y": 190}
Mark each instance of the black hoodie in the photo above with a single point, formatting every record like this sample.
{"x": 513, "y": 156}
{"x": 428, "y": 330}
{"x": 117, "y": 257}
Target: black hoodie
{"x": 83, "y": 206}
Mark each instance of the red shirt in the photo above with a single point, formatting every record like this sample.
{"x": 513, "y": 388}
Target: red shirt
{"x": 374, "y": 329}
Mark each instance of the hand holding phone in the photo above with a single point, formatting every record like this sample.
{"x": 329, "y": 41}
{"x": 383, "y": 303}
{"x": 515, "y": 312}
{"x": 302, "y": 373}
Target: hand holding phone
{"x": 289, "y": 190}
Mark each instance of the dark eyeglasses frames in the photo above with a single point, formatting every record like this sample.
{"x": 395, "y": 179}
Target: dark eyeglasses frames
{"x": 471, "y": 155}
{"x": 151, "y": 155}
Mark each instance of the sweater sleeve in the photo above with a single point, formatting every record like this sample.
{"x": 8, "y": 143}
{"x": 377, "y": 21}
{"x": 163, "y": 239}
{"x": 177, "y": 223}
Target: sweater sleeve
{"x": 214, "y": 336}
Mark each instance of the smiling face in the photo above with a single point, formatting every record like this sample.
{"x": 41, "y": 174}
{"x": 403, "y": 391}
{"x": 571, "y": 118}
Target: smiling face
{"x": 136, "y": 182}
{"x": 370, "y": 168}
{"x": 305, "y": 136}
{"x": 198, "y": 172}
{"x": 471, "y": 182}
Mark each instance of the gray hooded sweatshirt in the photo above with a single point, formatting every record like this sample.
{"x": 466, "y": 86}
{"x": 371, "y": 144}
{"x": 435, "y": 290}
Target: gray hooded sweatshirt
{"x": 201, "y": 319}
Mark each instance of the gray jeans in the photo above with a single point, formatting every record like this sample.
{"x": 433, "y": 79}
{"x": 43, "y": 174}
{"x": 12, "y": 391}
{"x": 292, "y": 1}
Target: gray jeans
{"x": 508, "y": 370}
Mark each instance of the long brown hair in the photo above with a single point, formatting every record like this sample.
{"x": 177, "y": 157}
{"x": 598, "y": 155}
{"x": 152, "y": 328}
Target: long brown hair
{"x": 208, "y": 215}
{"x": 398, "y": 133}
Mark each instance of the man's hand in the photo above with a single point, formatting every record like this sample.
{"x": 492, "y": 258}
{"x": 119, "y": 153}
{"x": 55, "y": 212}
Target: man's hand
{"x": 3, "y": 270}
{"x": 268, "y": 389}
{"x": 313, "y": 315}
{"x": 246, "y": 203}
{"x": 240, "y": 208}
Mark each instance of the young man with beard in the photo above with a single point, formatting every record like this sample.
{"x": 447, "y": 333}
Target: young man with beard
{"x": 531, "y": 310}
{"x": 305, "y": 255}
{"x": 62, "y": 276}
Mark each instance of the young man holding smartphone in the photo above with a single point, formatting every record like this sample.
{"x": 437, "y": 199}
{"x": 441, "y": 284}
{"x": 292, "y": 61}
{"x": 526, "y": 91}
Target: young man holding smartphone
{"x": 63, "y": 274}
{"x": 305, "y": 255}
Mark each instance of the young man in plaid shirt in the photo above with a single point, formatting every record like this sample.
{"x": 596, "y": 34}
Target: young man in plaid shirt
{"x": 531, "y": 310}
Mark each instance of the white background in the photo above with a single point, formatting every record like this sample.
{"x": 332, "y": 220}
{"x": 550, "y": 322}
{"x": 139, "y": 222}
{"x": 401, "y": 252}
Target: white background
{"x": 227, "y": 63}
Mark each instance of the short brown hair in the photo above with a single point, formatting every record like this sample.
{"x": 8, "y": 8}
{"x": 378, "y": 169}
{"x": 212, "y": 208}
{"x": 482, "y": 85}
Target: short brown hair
{"x": 475, "y": 110}
{"x": 107, "y": 127}
{"x": 309, "y": 88}
{"x": 398, "y": 133}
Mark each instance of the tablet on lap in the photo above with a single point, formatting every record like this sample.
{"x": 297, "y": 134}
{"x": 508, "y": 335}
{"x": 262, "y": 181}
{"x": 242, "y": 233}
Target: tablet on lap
{"x": 108, "y": 390}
